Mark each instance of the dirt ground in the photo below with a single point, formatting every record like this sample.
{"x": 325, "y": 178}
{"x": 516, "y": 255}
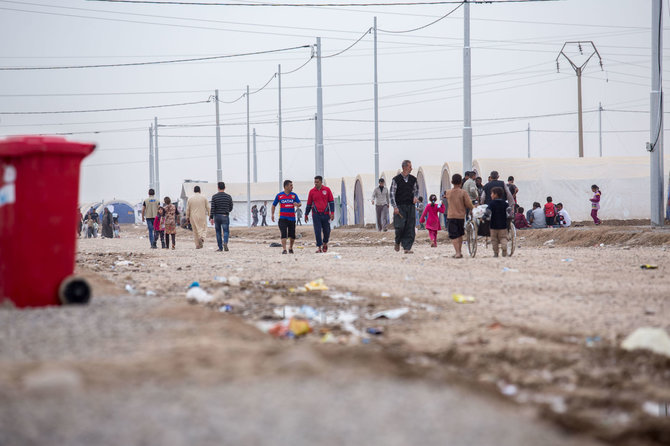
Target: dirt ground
{"x": 536, "y": 354}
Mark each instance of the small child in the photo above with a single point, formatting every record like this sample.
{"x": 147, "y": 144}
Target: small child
{"x": 159, "y": 226}
{"x": 520, "y": 220}
{"x": 498, "y": 208}
{"x": 549, "y": 212}
{"x": 432, "y": 219}
{"x": 595, "y": 204}
{"x": 116, "y": 226}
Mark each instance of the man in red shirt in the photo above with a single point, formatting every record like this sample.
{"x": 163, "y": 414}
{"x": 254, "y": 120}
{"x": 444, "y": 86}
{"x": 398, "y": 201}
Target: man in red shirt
{"x": 320, "y": 198}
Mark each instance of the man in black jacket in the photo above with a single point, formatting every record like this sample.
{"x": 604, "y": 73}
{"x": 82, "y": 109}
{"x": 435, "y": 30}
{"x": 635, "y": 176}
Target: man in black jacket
{"x": 404, "y": 194}
{"x": 219, "y": 215}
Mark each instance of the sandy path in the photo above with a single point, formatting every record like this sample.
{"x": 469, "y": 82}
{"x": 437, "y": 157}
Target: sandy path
{"x": 526, "y": 336}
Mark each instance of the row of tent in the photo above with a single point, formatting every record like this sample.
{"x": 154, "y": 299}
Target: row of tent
{"x": 624, "y": 182}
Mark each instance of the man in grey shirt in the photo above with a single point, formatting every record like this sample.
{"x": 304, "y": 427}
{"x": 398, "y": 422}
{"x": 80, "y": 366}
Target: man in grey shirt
{"x": 537, "y": 219}
{"x": 380, "y": 198}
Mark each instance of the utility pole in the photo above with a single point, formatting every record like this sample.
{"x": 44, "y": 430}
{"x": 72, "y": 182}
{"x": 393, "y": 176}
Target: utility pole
{"x": 319, "y": 111}
{"x": 248, "y": 166}
{"x": 600, "y": 128}
{"x": 219, "y": 174}
{"x": 316, "y": 144}
{"x": 376, "y": 108}
{"x": 529, "y": 140}
{"x": 281, "y": 174}
{"x": 655, "y": 146}
{"x": 151, "y": 157}
{"x": 467, "y": 90}
{"x": 158, "y": 177}
{"x": 255, "y": 160}
{"x": 578, "y": 70}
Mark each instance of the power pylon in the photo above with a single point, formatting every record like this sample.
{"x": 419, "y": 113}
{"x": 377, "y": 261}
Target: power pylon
{"x": 578, "y": 70}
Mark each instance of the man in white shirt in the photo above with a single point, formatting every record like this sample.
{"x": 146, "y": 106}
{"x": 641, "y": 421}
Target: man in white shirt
{"x": 563, "y": 217}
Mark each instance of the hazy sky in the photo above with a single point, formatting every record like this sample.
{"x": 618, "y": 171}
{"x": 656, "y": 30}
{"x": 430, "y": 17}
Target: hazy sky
{"x": 420, "y": 84}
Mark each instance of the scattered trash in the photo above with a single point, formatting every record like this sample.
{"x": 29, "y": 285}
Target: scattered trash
{"x": 649, "y": 311}
{"x": 234, "y": 281}
{"x": 316, "y": 285}
{"x": 328, "y": 338}
{"x": 526, "y": 340}
{"x": 549, "y": 242}
{"x": 375, "y": 331}
{"x": 462, "y": 299}
{"x": 655, "y": 409}
{"x": 508, "y": 389}
{"x": 365, "y": 340}
{"x": 567, "y": 260}
{"x": 130, "y": 289}
{"x": 602, "y": 245}
{"x": 647, "y": 266}
{"x": 197, "y": 294}
{"x": 386, "y": 294}
{"x": 509, "y": 270}
{"x": 221, "y": 279}
{"x": 225, "y": 308}
{"x": 345, "y": 296}
{"x": 495, "y": 326}
{"x": 151, "y": 293}
{"x": 123, "y": 263}
{"x": 279, "y": 330}
{"x": 309, "y": 312}
{"x": 194, "y": 284}
{"x": 409, "y": 278}
{"x": 338, "y": 257}
{"x": 275, "y": 245}
{"x": 390, "y": 314}
{"x": 163, "y": 265}
{"x": 592, "y": 341}
{"x": 299, "y": 327}
{"x": 648, "y": 338}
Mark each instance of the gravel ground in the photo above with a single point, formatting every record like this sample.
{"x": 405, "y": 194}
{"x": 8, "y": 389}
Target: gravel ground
{"x": 536, "y": 354}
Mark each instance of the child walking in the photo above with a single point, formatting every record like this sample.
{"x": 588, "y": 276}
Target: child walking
{"x": 595, "y": 204}
{"x": 159, "y": 226}
{"x": 431, "y": 217}
{"x": 498, "y": 208}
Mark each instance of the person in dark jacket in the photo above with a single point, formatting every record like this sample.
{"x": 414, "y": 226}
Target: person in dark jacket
{"x": 404, "y": 195}
{"x": 107, "y": 230}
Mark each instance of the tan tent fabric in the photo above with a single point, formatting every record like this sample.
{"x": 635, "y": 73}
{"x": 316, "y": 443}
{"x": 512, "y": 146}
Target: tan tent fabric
{"x": 624, "y": 182}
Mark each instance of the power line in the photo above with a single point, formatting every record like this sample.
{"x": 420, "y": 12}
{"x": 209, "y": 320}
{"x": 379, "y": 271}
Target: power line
{"x": 424, "y": 26}
{"x": 350, "y": 46}
{"x": 133, "y": 64}
{"x": 315, "y": 5}
{"x": 103, "y": 109}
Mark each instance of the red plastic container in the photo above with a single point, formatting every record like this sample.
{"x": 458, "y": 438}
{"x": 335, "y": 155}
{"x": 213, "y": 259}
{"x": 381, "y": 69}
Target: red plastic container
{"x": 39, "y": 187}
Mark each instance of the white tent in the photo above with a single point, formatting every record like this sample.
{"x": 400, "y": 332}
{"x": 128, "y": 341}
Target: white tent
{"x": 624, "y": 182}
{"x": 347, "y": 200}
{"x": 364, "y": 211}
{"x": 428, "y": 178}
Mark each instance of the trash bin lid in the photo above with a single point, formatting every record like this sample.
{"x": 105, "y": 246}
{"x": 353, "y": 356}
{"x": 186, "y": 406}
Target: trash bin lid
{"x": 30, "y": 145}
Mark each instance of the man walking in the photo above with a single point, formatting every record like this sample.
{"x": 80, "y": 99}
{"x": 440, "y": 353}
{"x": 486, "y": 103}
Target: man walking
{"x": 288, "y": 202}
{"x": 470, "y": 186}
{"x": 264, "y": 213}
{"x": 219, "y": 215}
{"x": 197, "y": 209}
{"x": 321, "y": 199}
{"x": 403, "y": 194}
{"x": 380, "y": 198}
{"x": 149, "y": 212}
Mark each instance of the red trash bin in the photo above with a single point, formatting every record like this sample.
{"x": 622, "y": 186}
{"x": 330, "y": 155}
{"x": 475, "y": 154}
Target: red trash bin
{"x": 39, "y": 187}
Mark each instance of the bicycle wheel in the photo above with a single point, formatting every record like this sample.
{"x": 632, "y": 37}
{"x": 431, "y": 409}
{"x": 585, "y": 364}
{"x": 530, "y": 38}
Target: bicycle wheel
{"x": 511, "y": 239}
{"x": 471, "y": 237}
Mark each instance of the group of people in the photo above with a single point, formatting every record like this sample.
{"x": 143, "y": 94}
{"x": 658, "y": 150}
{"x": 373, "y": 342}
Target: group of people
{"x": 553, "y": 215}
{"x": 161, "y": 220}
{"x": 92, "y": 221}
{"x": 403, "y": 196}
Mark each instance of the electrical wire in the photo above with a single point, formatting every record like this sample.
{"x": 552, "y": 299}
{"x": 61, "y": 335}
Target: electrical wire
{"x": 350, "y": 46}
{"x": 424, "y": 26}
{"x": 103, "y": 110}
{"x": 159, "y": 62}
{"x": 315, "y": 5}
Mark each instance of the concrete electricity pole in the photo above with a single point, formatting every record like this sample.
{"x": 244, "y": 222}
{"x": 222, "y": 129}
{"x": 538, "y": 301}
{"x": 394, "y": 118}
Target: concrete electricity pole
{"x": 319, "y": 111}
{"x": 248, "y": 166}
{"x": 219, "y": 174}
{"x": 655, "y": 146}
{"x": 376, "y": 107}
{"x": 467, "y": 90}
{"x": 578, "y": 70}
{"x": 151, "y": 157}
{"x": 158, "y": 177}
{"x": 255, "y": 159}
{"x": 281, "y": 174}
